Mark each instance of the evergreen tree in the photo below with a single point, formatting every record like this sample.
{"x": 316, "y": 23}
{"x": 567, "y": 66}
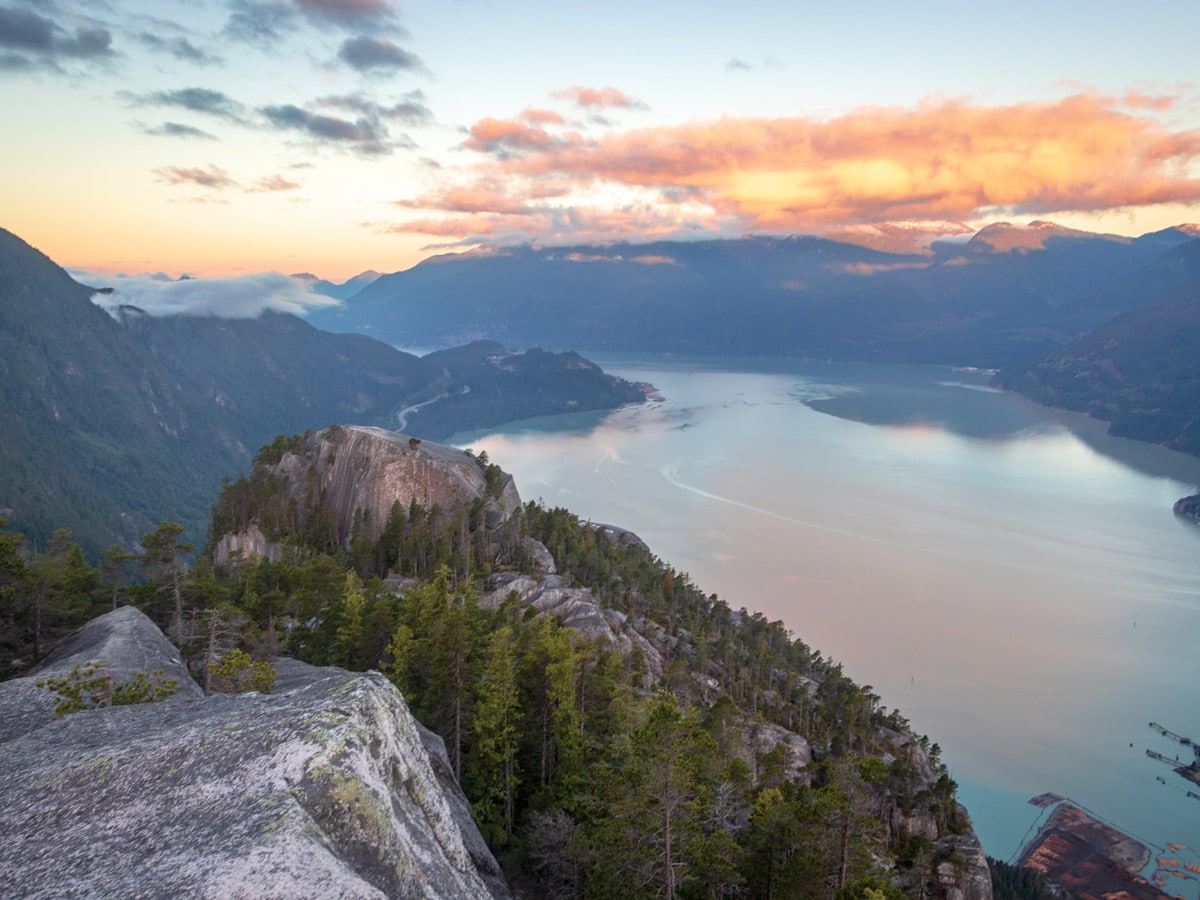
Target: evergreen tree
{"x": 492, "y": 763}
{"x": 161, "y": 552}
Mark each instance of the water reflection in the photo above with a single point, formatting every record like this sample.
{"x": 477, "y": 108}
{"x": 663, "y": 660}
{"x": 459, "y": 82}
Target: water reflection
{"x": 1028, "y": 601}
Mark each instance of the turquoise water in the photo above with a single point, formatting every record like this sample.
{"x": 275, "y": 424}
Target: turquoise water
{"x": 1009, "y": 578}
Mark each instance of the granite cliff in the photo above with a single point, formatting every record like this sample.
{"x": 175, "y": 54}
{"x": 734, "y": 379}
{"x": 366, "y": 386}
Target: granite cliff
{"x": 325, "y": 787}
{"x": 352, "y": 476}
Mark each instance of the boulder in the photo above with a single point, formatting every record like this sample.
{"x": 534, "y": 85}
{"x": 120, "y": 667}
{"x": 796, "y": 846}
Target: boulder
{"x": 324, "y": 788}
{"x": 579, "y": 609}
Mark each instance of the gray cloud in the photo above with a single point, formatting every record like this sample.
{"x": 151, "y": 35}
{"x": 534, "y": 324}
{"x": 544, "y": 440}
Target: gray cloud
{"x": 33, "y": 40}
{"x": 265, "y": 22}
{"x": 370, "y": 15}
{"x": 175, "y": 129}
{"x": 180, "y": 48}
{"x": 738, "y": 65}
{"x": 14, "y": 62}
{"x": 410, "y": 108}
{"x": 201, "y": 100}
{"x": 23, "y": 30}
{"x": 365, "y": 135}
{"x": 262, "y": 24}
{"x": 367, "y": 54}
{"x": 243, "y": 297}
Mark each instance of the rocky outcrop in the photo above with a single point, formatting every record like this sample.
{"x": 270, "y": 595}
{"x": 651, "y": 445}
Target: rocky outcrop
{"x": 356, "y": 472}
{"x": 579, "y": 609}
{"x": 362, "y": 468}
{"x": 965, "y": 876}
{"x": 233, "y": 548}
{"x": 326, "y": 787}
{"x": 1189, "y": 508}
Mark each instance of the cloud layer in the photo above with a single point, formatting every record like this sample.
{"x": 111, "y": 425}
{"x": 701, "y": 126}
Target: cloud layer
{"x": 946, "y": 159}
{"x": 243, "y": 297}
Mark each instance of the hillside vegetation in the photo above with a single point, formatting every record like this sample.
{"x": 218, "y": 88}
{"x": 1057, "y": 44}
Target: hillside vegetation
{"x": 683, "y": 748}
{"x": 1139, "y": 372}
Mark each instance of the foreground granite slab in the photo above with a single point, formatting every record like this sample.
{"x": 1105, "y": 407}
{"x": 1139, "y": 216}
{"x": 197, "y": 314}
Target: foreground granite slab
{"x": 327, "y": 787}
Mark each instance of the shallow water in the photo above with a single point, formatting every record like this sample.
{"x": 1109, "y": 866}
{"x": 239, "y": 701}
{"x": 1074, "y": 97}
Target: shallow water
{"x": 1010, "y": 578}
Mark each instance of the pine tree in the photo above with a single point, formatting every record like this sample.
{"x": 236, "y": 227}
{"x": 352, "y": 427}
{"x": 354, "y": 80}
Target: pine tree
{"x": 161, "y": 560}
{"x": 492, "y": 762}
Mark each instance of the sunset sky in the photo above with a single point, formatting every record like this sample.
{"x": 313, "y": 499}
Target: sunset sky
{"x": 333, "y": 136}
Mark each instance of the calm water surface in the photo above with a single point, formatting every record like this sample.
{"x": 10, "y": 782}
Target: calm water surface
{"x": 1010, "y": 579}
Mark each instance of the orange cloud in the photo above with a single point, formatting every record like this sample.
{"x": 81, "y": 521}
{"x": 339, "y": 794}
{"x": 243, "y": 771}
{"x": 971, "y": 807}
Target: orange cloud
{"x": 472, "y": 199}
{"x": 608, "y": 97}
{"x": 945, "y": 159}
{"x": 491, "y": 135}
{"x": 541, "y": 116}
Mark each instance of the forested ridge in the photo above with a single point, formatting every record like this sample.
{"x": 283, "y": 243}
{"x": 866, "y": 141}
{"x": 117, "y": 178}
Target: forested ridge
{"x": 592, "y": 772}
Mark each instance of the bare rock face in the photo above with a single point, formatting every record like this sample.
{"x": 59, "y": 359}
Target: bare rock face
{"x": 797, "y": 752}
{"x": 967, "y": 876}
{"x": 324, "y": 788}
{"x": 356, "y": 467}
{"x": 579, "y": 609}
{"x": 231, "y": 548}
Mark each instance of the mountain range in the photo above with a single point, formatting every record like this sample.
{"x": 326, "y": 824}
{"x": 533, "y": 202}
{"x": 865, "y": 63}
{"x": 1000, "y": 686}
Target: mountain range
{"x": 1009, "y": 294}
{"x": 1094, "y": 322}
{"x": 122, "y": 419}
{"x": 114, "y": 421}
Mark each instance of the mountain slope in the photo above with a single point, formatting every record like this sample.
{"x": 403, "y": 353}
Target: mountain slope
{"x": 114, "y": 423}
{"x": 1139, "y": 372}
{"x": 74, "y": 388}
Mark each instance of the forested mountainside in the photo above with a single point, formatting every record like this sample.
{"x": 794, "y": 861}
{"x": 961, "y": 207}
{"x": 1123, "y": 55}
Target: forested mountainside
{"x": 116, "y": 422}
{"x": 639, "y": 738}
{"x": 618, "y": 731}
{"x": 1139, "y": 372}
{"x": 1008, "y": 295}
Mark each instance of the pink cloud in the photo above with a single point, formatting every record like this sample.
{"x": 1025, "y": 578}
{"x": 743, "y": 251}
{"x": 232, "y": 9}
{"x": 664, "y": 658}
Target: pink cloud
{"x": 536, "y": 116}
{"x": 607, "y": 98}
{"x": 208, "y": 177}
{"x": 276, "y": 183}
{"x": 491, "y": 135}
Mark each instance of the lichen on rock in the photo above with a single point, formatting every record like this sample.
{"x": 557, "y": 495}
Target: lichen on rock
{"x": 322, "y": 788}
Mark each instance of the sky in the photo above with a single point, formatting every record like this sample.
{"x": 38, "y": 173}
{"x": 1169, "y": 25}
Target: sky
{"x": 223, "y": 139}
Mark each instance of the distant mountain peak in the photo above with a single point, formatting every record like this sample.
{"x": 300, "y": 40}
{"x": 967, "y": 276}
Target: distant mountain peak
{"x": 901, "y": 236}
{"x": 343, "y": 291}
{"x": 1003, "y": 237}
